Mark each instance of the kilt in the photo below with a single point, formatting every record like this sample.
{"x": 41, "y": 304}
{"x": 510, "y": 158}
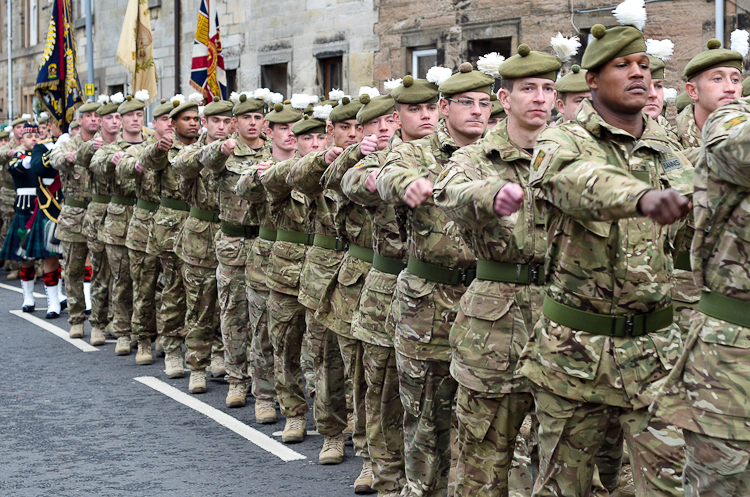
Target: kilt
{"x": 39, "y": 245}
{"x": 12, "y": 247}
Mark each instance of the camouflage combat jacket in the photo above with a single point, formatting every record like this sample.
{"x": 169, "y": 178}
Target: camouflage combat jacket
{"x": 251, "y": 189}
{"x": 167, "y": 222}
{"x": 604, "y": 258}
{"x": 7, "y": 190}
{"x": 708, "y": 394}
{"x": 93, "y": 221}
{"x": 117, "y": 218}
{"x": 76, "y": 186}
{"x": 321, "y": 264}
{"x": 147, "y": 188}
{"x": 233, "y": 250}
{"x": 496, "y": 318}
{"x": 293, "y": 212}
{"x": 429, "y": 308}
{"x": 372, "y": 322}
{"x": 689, "y": 133}
{"x": 195, "y": 243}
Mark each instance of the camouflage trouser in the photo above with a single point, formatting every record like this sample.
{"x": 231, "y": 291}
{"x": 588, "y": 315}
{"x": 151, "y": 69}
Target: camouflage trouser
{"x": 330, "y": 395}
{"x": 202, "y": 316}
{"x": 144, "y": 271}
{"x": 351, "y": 352}
{"x": 74, "y": 263}
{"x": 571, "y": 432}
{"x": 101, "y": 281}
{"x": 306, "y": 363}
{"x": 7, "y": 211}
{"x": 427, "y": 393}
{"x": 715, "y": 467}
{"x": 235, "y": 324}
{"x": 261, "y": 358}
{"x": 608, "y": 458}
{"x": 385, "y": 418}
{"x": 286, "y": 322}
{"x": 487, "y": 429}
{"x": 121, "y": 298}
{"x": 173, "y": 305}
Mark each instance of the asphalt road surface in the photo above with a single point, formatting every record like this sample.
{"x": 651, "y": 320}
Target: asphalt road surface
{"x": 81, "y": 422}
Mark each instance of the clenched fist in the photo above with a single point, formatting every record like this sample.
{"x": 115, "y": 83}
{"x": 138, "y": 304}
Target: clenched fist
{"x": 227, "y": 148}
{"x": 166, "y": 141}
{"x": 97, "y": 143}
{"x": 262, "y": 167}
{"x": 369, "y": 144}
{"x": 417, "y": 192}
{"x": 370, "y": 181}
{"x": 117, "y": 157}
{"x": 138, "y": 167}
{"x": 508, "y": 200}
{"x": 664, "y": 206}
{"x": 332, "y": 153}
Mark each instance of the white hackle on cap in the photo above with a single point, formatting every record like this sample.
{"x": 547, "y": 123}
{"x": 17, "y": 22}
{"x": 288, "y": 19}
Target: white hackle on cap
{"x": 322, "y": 112}
{"x": 438, "y": 75}
{"x": 739, "y": 39}
{"x": 631, "y": 13}
{"x": 392, "y": 84}
{"x": 565, "y": 48}
{"x": 489, "y": 64}
{"x": 661, "y": 49}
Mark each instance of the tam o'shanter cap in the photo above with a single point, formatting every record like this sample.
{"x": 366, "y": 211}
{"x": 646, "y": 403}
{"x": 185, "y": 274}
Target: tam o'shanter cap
{"x": 716, "y": 56}
{"x": 217, "y": 107}
{"x": 528, "y": 63}
{"x": 658, "y": 52}
{"x": 43, "y": 118}
{"x": 109, "y": 104}
{"x": 498, "y": 112}
{"x": 133, "y": 103}
{"x": 74, "y": 124}
{"x": 746, "y": 87}
{"x": 4, "y": 133}
{"x": 308, "y": 124}
{"x": 416, "y": 91}
{"x": 465, "y": 80}
{"x": 373, "y": 104}
{"x": 89, "y": 106}
{"x": 23, "y": 119}
{"x": 620, "y": 41}
{"x": 682, "y": 101}
{"x": 345, "y": 110}
{"x": 164, "y": 107}
{"x": 180, "y": 104}
{"x": 245, "y": 102}
{"x": 573, "y": 82}
{"x": 284, "y": 113}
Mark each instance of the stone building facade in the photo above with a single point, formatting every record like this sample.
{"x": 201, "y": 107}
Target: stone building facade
{"x": 312, "y": 45}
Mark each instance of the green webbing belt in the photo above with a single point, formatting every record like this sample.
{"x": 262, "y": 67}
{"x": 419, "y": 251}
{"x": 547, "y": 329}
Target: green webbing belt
{"x": 294, "y": 237}
{"x": 361, "y": 253}
{"x": 147, "y": 206}
{"x": 82, "y": 204}
{"x": 606, "y": 324}
{"x": 178, "y": 205}
{"x": 101, "y": 199}
{"x": 388, "y": 265}
{"x": 440, "y": 274}
{"x": 239, "y": 230}
{"x": 203, "y": 215}
{"x": 682, "y": 261}
{"x": 329, "y": 242}
{"x": 725, "y": 308}
{"x": 122, "y": 200}
{"x": 505, "y": 272}
{"x": 9, "y": 185}
{"x": 267, "y": 234}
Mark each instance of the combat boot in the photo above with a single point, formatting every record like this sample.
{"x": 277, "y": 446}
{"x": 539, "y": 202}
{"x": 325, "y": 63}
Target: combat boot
{"x": 294, "y": 430}
{"x": 14, "y": 274}
{"x": 363, "y": 483}
{"x": 173, "y": 363}
{"x": 144, "y": 357}
{"x": 97, "y": 337}
{"x": 217, "y": 367}
{"x": 237, "y": 395}
{"x": 389, "y": 494}
{"x": 332, "y": 451}
{"x": 109, "y": 330}
{"x": 76, "y": 331}
{"x": 123, "y": 346}
{"x": 197, "y": 381}
{"x": 265, "y": 411}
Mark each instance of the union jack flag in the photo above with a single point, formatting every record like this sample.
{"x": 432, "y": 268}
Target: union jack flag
{"x": 207, "y": 73}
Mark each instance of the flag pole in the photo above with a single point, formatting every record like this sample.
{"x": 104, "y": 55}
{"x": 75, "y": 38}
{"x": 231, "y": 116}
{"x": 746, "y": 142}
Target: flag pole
{"x": 62, "y": 65}
{"x": 10, "y": 61}
{"x": 89, "y": 44}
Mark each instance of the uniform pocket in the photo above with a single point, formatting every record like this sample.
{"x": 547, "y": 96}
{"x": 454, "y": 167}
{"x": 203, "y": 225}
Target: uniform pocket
{"x": 71, "y": 219}
{"x": 474, "y": 414}
{"x": 116, "y": 222}
{"x": 285, "y": 264}
{"x": 416, "y": 308}
{"x": 195, "y": 238}
{"x": 574, "y": 353}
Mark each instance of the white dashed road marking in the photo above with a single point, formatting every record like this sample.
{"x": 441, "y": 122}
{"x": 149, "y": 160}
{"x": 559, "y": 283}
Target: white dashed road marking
{"x": 254, "y": 436}
{"x": 59, "y": 332}
{"x": 18, "y": 290}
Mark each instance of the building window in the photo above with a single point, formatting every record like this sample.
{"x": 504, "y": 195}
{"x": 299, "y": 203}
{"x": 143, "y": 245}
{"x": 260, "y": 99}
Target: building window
{"x": 31, "y": 23}
{"x": 231, "y": 81}
{"x": 422, "y": 60}
{"x": 332, "y": 71}
{"x": 27, "y": 100}
{"x": 112, "y": 89}
{"x": 273, "y": 77}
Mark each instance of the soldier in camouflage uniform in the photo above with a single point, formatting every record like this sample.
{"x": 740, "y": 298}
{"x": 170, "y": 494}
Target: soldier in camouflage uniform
{"x": 415, "y": 104}
{"x": 76, "y": 188}
{"x": 227, "y": 160}
{"x": 439, "y": 268}
{"x": 342, "y": 296}
{"x": 276, "y": 319}
{"x": 571, "y": 91}
{"x": 481, "y": 188}
{"x": 101, "y": 275}
{"x": 168, "y": 220}
{"x": 7, "y": 190}
{"x": 118, "y": 214}
{"x": 607, "y": 337}
{"x": 195, "y": 245}
{"x": 706, "y": 394}
{"x": 144, "y": 267}
{"x": 319, "y": 272}
{"x": 293, "y": 213}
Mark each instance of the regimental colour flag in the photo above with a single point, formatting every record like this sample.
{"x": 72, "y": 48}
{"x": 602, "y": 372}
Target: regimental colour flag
{"x": 57, "y": 86}
{"x": 136, "y": 48}
{"x": 207, "y": 74}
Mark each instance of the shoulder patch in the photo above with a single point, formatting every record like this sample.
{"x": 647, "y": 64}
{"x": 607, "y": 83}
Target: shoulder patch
{"x": 443, "y": 174}
{"x": 670, "y": 164}
{"x": 735, "y": 122}
{"x": 539, "y": 159}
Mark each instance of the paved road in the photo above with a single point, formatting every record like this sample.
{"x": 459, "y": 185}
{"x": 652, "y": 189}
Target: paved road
{"x": 75, "y": 423}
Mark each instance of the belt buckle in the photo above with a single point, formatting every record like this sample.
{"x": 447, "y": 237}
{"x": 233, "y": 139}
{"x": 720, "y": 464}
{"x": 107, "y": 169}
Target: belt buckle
{"x": 629, "y": 324}
{"x": 533, "y": 274}
{"x": 461, "y": 275}
{"x": 344, "y": 246}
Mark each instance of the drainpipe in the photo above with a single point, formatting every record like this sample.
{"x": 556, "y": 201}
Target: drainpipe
{"x": 720, "y": 20}
{"x": 177, "y": 37}
{"x": 89, "y": 43}
{"x": 10, "y": 62}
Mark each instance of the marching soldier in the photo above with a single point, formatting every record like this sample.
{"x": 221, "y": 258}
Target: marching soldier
{"x": 571, "y": 91}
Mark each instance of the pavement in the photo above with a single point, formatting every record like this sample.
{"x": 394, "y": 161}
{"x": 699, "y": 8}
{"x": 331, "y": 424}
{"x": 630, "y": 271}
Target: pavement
{"x": 77, "y": 420}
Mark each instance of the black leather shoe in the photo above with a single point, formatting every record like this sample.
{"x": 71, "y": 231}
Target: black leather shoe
{"x": 27, "y": 308}
{"x": 63, "y": 305}
{"x": 53, "y": 315}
